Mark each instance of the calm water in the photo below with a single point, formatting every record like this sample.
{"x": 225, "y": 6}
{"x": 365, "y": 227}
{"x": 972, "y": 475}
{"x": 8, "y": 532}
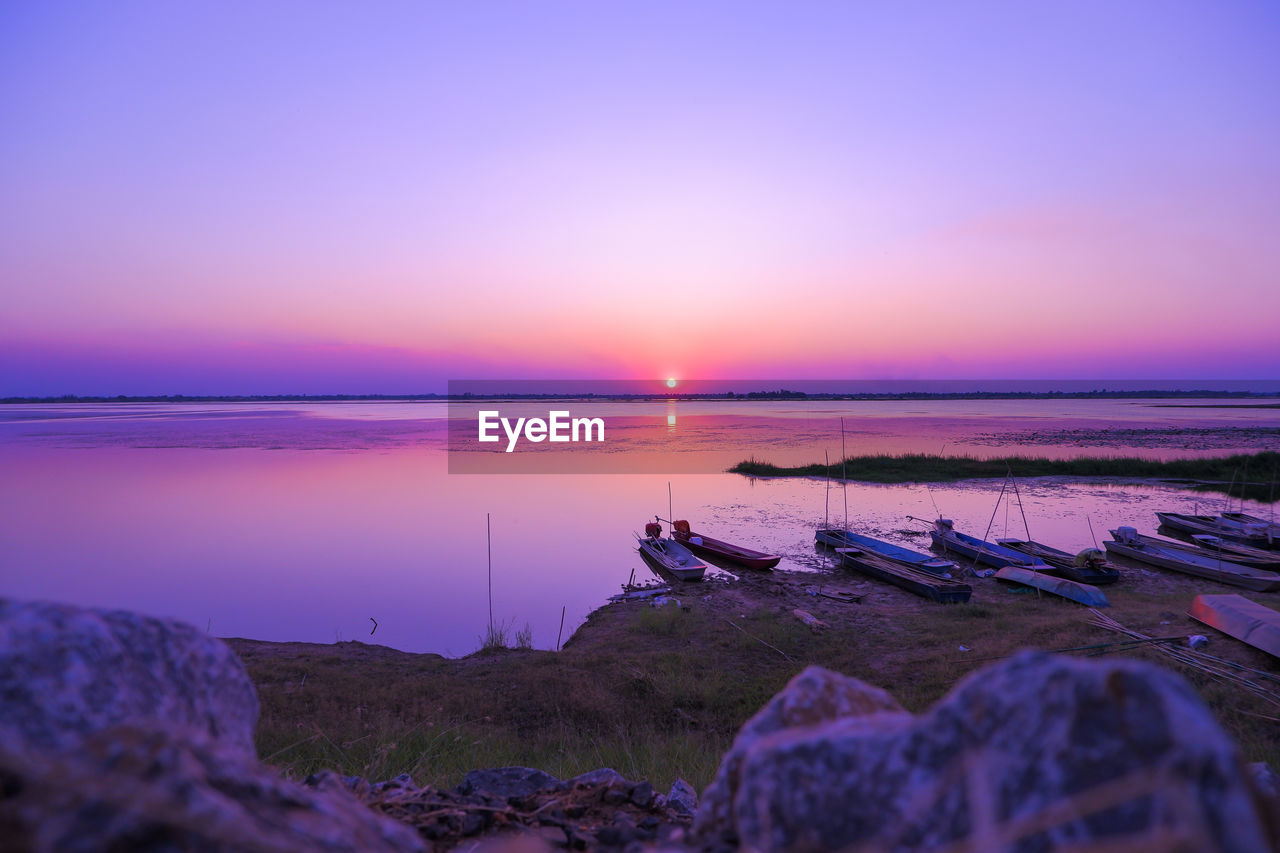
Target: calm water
{"x": 301, "y": 522}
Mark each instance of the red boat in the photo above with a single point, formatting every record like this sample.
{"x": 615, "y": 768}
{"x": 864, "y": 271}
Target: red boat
{"x": 716, "y": 549}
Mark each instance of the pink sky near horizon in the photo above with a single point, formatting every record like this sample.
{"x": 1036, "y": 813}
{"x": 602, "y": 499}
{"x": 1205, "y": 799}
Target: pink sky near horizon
{"x": 323, "y": 199}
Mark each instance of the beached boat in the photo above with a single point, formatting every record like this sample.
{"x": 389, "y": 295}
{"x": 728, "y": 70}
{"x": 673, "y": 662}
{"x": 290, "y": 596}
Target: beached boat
{"x": 717, "y": 549}
{"x": 1238, "y": 552}
{"x": 1271, "y": 528}
{"x": 903, "y": 576}
{"x": 946, "y": 537}
{"x": 1129, "y": 544}
{"x": 1237, "y": 616}
{"x": 1219, "y": 549}
{"x": 1215, "y": 526}
{"x": 915, "y": 559}
{"x": 1081, "y": 593}
{"x": 670, "y": 555}
{"x": 1088, "y": 567}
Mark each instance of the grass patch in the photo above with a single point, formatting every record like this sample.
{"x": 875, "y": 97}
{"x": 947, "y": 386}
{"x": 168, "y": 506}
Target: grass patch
{"x": 1215, "y": 474}
{"x": 659, "y": 693}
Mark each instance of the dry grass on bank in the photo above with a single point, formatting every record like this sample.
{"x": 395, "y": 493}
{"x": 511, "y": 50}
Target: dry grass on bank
{"x": 659, "y": 693}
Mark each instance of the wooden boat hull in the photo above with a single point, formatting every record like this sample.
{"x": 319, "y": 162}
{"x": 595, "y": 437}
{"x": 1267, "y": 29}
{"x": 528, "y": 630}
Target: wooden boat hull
{"x": 981, "y": 551}
{"x": 1193, "y": 564}
{"x": 1270, "y": 528}
{"x": 1081, "y": 593}
{"x": 1237, "y": 616}
{"x": 1064, "y": 564}
{"x": 672, "y": 557}
{"x": 1215, "y": 546}
{"x": 898, "y": 554}
{"x": 904, "y": 577}
{"x": 716, "y": 549}
{"x": 1215, "y": 526}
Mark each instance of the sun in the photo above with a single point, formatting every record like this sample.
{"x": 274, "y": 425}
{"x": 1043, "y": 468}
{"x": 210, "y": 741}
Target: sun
{"x": 671, "y": 383}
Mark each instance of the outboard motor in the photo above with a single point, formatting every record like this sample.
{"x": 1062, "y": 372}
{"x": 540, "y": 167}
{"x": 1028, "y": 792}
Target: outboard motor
{"x": 1127, "y": 535}
{"x": 680, "y": 526}
{"x": 944, "y": 524}
{"x": 653, "y": 530}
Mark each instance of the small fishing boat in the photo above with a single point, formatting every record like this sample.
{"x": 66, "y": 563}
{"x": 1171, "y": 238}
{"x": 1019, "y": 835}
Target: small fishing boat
{"x": 1244, "y": 519}
{"x": 1129, "y": 544}
{"x": 1203, "y": 544}
{"x": 1081, "y": 593}
{"x": 946, "y": 537}
{"x": 914, "y": 559}
{"x": 717, "y": 549}
{"x": 1090, "y": 566}
{"x": 1237, "y": 616}
{"x": 1249, "y": 534}
{"x": 670, "y": 555}
{"x": 1236, "y": 552}
{"x": 903, "y": 576}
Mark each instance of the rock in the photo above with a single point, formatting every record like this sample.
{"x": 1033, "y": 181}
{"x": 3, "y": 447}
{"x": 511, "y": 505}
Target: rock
{"x": 1264, "y": 779}
{"x": 1039, "y": 752}
{"x": 604, "y": 777}
{"x": 642, "y": 794}
{"x": 814, "y": 696}
{"x": 67, "y": 672}
{"x": 682, "y": 799}
{"x": 509, "y": 783}
{"x": 159, "y": 789}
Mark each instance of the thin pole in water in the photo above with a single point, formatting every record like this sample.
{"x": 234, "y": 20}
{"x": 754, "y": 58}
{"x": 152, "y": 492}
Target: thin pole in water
{"x": 826, "y": 512}
{"x": 670, "y": 514}
{"x": 560, "y": 633}
{"x": 844, "y": 477}
{"x": 488, "y": 544}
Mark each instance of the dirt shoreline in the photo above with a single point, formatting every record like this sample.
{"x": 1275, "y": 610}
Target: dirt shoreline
{"x": 658, "y": 693}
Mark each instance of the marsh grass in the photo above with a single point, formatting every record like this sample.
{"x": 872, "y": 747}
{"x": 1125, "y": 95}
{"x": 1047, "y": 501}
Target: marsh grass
{"x": 659, "y": 693}
{"x": 1220, "y": 474}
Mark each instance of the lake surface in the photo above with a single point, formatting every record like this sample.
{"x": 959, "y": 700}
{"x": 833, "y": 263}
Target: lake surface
{"x": 307, "y": 521}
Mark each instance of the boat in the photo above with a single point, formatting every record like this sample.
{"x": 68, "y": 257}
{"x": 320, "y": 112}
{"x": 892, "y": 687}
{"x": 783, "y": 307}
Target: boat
{"x": 1081, "y": 593}
{"x": 1271, "y": 528}
{"x": 903, "y": 576}
{"x": 946, "y": 537}
{"x": 1234, "y": 615}
{"x": 914, "y": 559}
{"x": 1219, "y": 548}
{"x": 1249, "y": 534}
{"x": 670, "y": 555}
{"x": 1236, "y": 552}
{"x": 717, "y": 549}
{"x": 1127, "y": 543}
{"x": 1090, "y": 566}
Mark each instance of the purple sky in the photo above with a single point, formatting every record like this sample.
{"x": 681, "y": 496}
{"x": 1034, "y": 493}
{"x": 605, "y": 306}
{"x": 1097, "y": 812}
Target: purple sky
{"x": 318, "y": 197}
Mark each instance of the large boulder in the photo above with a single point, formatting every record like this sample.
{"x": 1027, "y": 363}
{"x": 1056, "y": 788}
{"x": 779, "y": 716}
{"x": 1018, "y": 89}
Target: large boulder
{"x": 1037, "y": 753}
{"x": 162, "y": 788}
{"x": 67, "y": 672}
{"x": 813, "y": 698}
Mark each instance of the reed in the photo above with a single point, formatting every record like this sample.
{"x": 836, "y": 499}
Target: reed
{"x": 1211, "y": 474}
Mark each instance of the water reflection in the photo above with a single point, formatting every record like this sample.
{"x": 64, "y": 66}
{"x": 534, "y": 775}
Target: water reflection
{"x": 288, "y": 525}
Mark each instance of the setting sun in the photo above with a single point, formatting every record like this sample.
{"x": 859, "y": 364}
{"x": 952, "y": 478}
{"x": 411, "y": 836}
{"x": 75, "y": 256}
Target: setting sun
{"x": 671, "y": 383}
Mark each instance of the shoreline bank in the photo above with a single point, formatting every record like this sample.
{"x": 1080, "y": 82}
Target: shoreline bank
{"x": 658, "y": 693}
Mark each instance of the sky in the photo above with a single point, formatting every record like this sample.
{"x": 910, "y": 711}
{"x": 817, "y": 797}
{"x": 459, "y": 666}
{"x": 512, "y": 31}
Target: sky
{"x": 224, "y": 198}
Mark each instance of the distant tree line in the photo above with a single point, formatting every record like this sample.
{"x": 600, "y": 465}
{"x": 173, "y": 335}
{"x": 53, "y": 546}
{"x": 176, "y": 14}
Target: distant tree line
{"x": 780, "y": 394}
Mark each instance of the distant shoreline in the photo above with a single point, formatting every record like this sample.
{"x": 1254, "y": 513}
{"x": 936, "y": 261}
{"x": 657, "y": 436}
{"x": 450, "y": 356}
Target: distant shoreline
{"x": 779, "y": 395}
